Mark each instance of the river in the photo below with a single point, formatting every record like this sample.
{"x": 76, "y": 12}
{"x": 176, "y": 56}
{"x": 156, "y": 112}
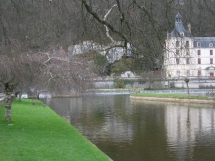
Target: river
{"x": 129, "y": 130}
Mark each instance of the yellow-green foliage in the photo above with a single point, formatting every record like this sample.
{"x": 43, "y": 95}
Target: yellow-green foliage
{"x": 125, "y": 64}
{"x": 119, "y": 83}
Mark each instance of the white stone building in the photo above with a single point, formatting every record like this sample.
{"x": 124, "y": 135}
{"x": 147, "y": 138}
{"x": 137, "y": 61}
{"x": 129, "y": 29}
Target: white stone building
{"x": 188, "y": 56}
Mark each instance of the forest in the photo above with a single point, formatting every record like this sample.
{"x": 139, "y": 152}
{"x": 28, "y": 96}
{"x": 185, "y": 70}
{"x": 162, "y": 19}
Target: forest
{"x": 36, "y": 34}
{"x": 41, "y": 25}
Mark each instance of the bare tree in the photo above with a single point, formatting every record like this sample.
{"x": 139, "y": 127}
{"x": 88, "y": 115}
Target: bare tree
{"x": 131, "y": 22}
{"x": 60, "y": 73}
{"x": 50, "y": 71}
{"x": 12, "y": 72}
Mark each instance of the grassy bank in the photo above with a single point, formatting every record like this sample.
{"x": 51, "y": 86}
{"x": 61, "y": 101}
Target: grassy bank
{"x": 38, "y": 133}
{"x": 162, "y": 95}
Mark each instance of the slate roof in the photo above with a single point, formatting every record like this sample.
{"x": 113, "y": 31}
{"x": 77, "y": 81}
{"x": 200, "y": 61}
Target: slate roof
{"x": 205, "y": 42}
{"x": 179, "y": 28}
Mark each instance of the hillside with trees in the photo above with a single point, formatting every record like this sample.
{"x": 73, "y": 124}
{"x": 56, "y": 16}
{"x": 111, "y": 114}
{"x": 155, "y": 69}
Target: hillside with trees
{"x": 46, "y": 25}
{"x": 41, "y": 25}
{"x": 36, "y": 34}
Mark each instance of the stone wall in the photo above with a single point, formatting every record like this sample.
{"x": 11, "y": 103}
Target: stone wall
{"x": 2, "y": 102}
{"x": 172, "y": 83}
{"x": 193, "y": 83}
{"x": 135, "y": 84}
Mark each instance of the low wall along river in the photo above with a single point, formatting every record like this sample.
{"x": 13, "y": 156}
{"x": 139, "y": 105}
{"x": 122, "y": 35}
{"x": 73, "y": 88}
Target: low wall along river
{"x": 2, "y": 99}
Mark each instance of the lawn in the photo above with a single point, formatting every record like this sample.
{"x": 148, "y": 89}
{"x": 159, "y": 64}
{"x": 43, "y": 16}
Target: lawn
{"x": 36, "y": 133}
{"x": 167, "y": 95}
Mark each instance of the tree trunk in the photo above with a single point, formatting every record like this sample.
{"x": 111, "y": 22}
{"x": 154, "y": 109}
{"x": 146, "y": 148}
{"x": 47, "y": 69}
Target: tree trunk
{"x": 8, "y": 92}
{"x": 8, "y": 108}
{"x": 20, "y": 96}
{"x": 187, "y": 81}
{"x": 188, "y": 90}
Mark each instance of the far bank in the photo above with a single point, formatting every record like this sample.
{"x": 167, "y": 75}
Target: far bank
{"x": 183, "y": 98}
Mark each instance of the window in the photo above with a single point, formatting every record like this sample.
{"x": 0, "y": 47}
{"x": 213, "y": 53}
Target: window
{"x": 188, "y": 53}
{"x": 211, "y": 74}
{"x": 187, "y": 61}
{"x": 199, "y": 52}
{"x": 211, "y": 45}
{"x": 177, "y": 43}
{"x": 177, "y": 60}
{"x": 187, "y": 44}
{"x": 188, "y": 73}
{"x": 211, "y": 60}
{"x": 198, "y": 44}
{"x": 211, "y": 52}
{"x": 178, "y": 73}
{"x": 177, "y": 52}
{"x": 199, "y": 61}
{"x": 199, "y": 73}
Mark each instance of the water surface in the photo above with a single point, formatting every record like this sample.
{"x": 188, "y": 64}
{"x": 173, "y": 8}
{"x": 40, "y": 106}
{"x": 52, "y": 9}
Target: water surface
{"x": 138, "y": 131}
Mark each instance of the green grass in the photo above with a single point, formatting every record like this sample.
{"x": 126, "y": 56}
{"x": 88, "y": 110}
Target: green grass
{"x": 179, "y": 96}
{"x": 36, "y": 133}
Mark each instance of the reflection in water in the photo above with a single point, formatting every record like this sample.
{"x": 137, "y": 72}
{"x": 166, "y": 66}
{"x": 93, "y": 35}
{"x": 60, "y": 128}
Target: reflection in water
{"x": 185, "y": 124}
{"x": 137, "y": 131}
{"x": 100, "y": 119}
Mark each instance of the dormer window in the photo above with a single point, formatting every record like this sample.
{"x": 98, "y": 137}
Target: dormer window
{"x": 176, "y": 19}
{"x": 198, "y": 44}
{"x": 182, "y": 34}
{"x": 211, "y": 45}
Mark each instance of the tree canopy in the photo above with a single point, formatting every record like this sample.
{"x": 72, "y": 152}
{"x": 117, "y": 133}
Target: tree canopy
{"x": 33, "y": 30}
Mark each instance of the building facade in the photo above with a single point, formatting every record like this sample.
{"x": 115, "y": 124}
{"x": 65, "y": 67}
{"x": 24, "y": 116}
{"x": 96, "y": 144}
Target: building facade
{"x": 188, "y": 56}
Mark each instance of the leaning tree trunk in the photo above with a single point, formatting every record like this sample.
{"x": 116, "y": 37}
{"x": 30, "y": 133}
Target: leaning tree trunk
{"x": 8, "y": 92}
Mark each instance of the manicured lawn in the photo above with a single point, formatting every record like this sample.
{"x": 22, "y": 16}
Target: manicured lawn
{"x": 180, "y": 96}
{"x": 36, "y": 133}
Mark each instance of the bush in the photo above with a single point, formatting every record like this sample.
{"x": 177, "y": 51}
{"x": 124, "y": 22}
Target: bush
{"x": 128, "y": 81}
{"x": 141, "y": 81}
{"x": 119, "y": 84}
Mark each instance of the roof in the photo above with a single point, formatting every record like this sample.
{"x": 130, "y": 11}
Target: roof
{"x": 205, "y": 42}
{"x": 179, "y": 30}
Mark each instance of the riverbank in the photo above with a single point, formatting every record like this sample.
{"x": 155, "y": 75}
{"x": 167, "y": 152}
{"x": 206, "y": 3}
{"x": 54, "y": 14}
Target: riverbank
{"x": 126, "y": 91}
{"x": 114, "y": 89}
{"x": 172, "y": 98}
{"x": 38, "y": 133}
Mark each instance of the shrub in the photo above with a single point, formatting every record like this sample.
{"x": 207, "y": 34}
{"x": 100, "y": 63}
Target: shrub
{"x": 141, "y": 81}
{"x": 129, "y": 81}
{"x": 119, "y": 83}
